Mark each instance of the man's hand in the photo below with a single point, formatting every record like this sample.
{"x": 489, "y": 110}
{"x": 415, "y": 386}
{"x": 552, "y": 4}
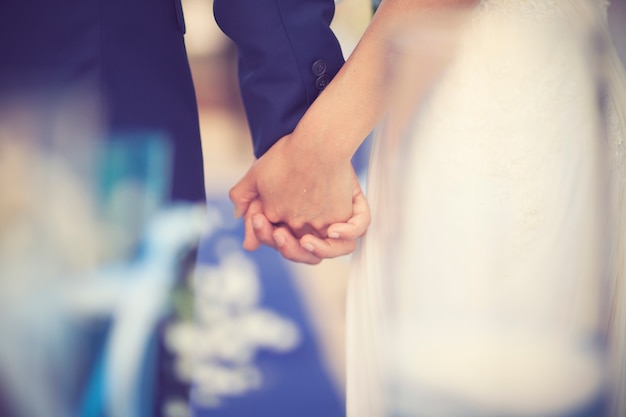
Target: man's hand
{"x": 309, "y": 249}
{"x": 260, "y": 231}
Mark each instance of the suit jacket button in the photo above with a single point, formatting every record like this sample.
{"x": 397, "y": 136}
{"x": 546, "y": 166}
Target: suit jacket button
{"x": 319, "y": 67}
{"x": 322, "y": 81}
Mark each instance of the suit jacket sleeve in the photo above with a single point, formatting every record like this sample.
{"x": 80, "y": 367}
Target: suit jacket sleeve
{"x": 287, "y": 55}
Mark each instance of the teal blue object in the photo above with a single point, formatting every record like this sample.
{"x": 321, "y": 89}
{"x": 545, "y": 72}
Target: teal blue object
{"x": 142, "y": 158}
{"x": 132, "y": 182}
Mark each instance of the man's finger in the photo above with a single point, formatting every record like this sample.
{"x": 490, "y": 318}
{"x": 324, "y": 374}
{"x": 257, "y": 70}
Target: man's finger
{"x": 251, "y": 241}
{"x": 327, "y": 248}
{"x": 291, "y": 249}
{"x": 263, "y": 229}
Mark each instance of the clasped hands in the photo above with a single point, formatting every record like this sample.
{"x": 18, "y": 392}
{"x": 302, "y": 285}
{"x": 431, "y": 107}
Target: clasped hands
{"x": 302, "y": 201}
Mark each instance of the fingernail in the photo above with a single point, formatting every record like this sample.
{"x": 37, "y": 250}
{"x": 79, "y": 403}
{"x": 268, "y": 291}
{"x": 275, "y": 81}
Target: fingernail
{"x": 333, "y": 235}
{"x": 309, "y": 247}
{"x": 256, "y": 222}
{"x": 279, "y": 239}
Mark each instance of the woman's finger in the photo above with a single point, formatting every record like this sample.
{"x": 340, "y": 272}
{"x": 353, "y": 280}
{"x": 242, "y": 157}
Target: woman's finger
{"x": 327, "y": 248}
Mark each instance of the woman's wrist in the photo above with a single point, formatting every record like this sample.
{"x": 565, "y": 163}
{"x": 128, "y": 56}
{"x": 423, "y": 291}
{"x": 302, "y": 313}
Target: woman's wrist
{"x": 328, "y": 132}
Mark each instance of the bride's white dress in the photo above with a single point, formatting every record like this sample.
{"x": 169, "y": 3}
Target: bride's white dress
{"x": 491, "y": 279}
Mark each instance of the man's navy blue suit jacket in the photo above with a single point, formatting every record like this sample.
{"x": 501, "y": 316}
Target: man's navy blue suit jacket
{"x": 132, "y": 53}
{"x": 287, "y": 55}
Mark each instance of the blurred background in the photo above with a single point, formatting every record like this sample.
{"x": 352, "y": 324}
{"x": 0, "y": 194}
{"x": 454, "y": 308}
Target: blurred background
{"x": 116, "y": 302}
{"x": 104, "y": 310}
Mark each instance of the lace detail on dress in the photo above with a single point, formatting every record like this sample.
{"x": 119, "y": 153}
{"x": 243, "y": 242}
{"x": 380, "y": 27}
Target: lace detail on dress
{"x": 549, "y": 11}
{"x": 540, "y": 10}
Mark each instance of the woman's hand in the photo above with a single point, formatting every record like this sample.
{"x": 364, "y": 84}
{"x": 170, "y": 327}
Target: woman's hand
{"x": 342, "y": 237}
{"x": 300, "y": 187}
{"x": 295, "y": 191}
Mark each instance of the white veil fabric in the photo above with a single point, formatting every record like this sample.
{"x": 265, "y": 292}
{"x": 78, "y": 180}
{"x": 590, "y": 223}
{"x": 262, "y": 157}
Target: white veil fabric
{"x": 615, "y": 78}
{"x": 593, "y": 14}
{"x": 378, "y": 267}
